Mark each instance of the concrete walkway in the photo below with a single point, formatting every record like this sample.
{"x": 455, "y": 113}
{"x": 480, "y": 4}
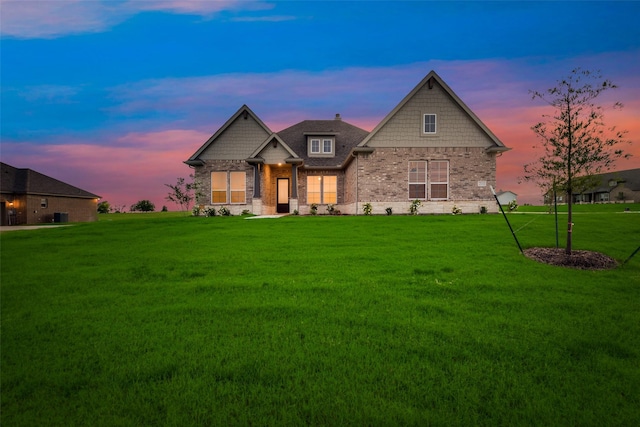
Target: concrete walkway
{"x": 29, "y": 227}
{"x": 266, "y": 216}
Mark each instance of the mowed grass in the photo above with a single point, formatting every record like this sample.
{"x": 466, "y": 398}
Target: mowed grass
{"x": 400, "y": 320}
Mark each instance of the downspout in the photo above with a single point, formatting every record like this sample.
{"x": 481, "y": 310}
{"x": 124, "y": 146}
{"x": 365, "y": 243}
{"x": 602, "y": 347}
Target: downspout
{"x": 354, "y": 155}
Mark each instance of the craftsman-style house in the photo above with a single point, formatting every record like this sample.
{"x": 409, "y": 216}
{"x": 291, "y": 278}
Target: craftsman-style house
{"x": 431, "y": 147}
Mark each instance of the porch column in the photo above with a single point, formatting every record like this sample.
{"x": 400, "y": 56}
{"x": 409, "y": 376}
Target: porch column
{"x": 256, "y": 180}
{"x": 294, "y": 180}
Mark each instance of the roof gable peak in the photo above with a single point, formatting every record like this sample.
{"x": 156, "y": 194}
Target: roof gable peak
{"x": 430, "y": 81}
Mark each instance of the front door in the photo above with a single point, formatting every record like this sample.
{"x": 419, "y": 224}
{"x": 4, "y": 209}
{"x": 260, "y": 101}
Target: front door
{"x": 282, "y": 204}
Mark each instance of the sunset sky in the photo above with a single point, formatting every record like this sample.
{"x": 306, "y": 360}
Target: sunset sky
{"x": 113, "y": 96}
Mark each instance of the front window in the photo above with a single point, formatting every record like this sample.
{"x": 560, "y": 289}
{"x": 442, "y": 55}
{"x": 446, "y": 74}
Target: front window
{"x": 330, "y": 189}
{"x": 417, "y": 180}
{"x": 439, "y": 174}
{"x": 322, "y": 189}
{"x": 228, "y": 186}
{"x": 238, "y": 182}
{"x": 218, "y": 187}
{"x": 429, "y": 123}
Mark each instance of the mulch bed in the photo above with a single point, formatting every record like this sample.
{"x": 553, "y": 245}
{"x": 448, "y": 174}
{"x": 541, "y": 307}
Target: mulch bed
{"x": 583, "y": 260}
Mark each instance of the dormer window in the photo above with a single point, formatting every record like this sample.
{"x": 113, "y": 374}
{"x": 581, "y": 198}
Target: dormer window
{"x": 429, "y": 124}
{"x": 327, "y": 146}
{"x": 315, "y": 146}
{"x": 321, "y": 146}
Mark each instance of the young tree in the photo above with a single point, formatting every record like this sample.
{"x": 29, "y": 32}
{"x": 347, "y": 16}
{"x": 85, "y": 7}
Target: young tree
{"x": 575, "y": 142}
{"x": 181, "y": 192}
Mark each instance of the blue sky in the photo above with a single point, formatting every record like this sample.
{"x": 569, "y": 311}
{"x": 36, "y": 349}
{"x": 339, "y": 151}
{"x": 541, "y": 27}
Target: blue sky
{"x": 112, "y": 96}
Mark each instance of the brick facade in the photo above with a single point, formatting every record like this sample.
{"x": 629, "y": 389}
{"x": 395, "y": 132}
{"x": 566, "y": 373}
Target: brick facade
{"x": 36, "y": 209}
{"x": 372, "y": 167}
{"x": 203, "y": 178}
{"x": 383, "y": 178}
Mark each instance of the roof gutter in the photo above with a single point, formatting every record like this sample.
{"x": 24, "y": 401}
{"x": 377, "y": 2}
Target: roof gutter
{"x": 194, "y": 162}
{"x": 496, "y": 149}
{"x": 354, "y": 152}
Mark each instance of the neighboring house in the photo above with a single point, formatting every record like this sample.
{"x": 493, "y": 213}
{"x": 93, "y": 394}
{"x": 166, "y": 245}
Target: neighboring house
{"x": 620, "y": 186}
{"x": 430, "y": 147}
{"x": 506, "y": 197}
{"x": 29, "y": 197}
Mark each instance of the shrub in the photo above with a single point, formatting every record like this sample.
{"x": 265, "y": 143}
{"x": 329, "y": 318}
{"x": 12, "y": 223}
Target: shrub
{"x": 295, "y": 212}
{"x": 246, "y": 212}
{"x": 415, "y": 205}
{"x": 513, "y": 205}
{"x": 143, "y": 206}
{"x": 389, "y": 211}
{"x": 210, "y": 211}
{"x": 196, "y": 211}
{"x": 314, "y": 209}
{"x": 104, "y": 207}
{"x": 331, "y": 209}
{"x": 366, "y": 208}
{"x": 164, "y": 209}
{"x": 224, "y": 211}
{"x": 456, "y": 210}
{"x": 483, "y": 209}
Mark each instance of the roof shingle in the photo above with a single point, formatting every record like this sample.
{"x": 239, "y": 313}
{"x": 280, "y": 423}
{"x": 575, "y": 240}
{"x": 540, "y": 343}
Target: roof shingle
{"x": 347, "y": 137}
{"x": 26, "y": 181}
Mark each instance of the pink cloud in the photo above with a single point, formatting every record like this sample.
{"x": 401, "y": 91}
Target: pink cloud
{"x": 132, "y": 167}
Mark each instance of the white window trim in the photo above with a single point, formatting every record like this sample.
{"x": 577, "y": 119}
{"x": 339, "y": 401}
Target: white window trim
{"x": 425, "y": 183}
{"x": 435, "y": 123}
{"x": 440, "y": 182}
{"x": 311, "y": 150}
{"x": 321, "y": 149}
{"x": 330, "y": 146}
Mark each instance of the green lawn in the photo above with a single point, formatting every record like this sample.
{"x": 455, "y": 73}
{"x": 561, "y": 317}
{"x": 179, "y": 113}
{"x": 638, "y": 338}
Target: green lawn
{"x": 428, "y": 320}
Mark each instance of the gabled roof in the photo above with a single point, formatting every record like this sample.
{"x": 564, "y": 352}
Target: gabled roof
{"x": 429, "y": 80}
{"x": 347, "y": 136}
{"x": 269, "y": 139}
{"x": 26, "y": 181}
{"x": 244, "y": 110}
{"x": 630, "y": 178}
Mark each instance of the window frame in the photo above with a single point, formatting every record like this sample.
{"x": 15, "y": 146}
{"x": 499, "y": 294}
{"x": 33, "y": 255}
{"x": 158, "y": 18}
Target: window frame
{"x": 237, "y": 190}
{"x": 412, "y": 181}
{"x": 229, "y": 189}
{"x": 325, "y": 190}
{"x": 424, "y": 124}
{"x": 434, "y": 182}
{"x": 219, "y": 190}
{"x": 311, "y": 150}
{"x": 325, "y": 146}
